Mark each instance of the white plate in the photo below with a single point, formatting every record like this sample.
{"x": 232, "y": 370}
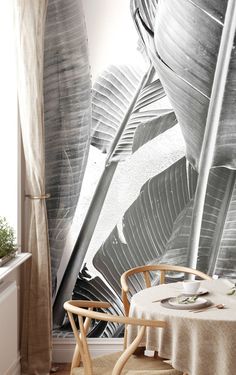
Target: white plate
{"x": 198, "y": 303}
{"x": 200, "y": 292}
{"x": 170, "y": 303}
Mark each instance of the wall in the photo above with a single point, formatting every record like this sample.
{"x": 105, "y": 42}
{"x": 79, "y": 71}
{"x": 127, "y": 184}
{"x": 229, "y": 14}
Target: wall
{"x": 9, "y": 316}
{"x": 112, "y": 38}
{"x": 111, "y": 34}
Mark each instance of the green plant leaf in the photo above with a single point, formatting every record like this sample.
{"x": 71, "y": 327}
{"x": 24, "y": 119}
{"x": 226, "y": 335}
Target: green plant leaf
{"x": 7, "y": 238}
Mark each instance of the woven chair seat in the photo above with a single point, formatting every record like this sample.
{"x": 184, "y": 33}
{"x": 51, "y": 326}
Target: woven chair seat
{"x": 120, "y": 363}
{"x": 155, "y": 372}
{"x": 145, "y": 365}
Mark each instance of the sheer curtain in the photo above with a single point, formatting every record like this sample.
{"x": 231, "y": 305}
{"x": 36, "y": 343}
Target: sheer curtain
{"x": 36, "y": 283}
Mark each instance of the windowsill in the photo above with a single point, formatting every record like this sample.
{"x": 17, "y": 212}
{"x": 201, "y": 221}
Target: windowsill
{"x": 13, "y": 264}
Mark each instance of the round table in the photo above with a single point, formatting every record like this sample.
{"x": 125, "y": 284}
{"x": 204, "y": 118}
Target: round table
{"x": 197, "y": 343}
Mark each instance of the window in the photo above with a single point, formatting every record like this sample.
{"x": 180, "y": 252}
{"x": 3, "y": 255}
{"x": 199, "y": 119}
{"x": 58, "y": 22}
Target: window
{"x": 8, "y": 127}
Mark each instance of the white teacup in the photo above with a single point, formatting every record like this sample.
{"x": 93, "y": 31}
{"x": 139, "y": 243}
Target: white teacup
{"x": 191, "y": 286}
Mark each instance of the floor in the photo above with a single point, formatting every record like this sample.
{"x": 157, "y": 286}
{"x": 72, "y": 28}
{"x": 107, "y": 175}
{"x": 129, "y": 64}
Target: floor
{"x": 61, "y": 369}
{"x": 64, "y": 368}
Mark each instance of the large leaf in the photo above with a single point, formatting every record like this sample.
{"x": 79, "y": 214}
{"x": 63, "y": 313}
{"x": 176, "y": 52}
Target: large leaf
{"x": 205, "y": 79}
{"x": 217, "y": 245}
{"x": 186, "y": 61}
{"x": 144, "y": 15}
{"x": 152, "y": 128}
{"x": 147, "y": 9}
{"x": 95, "y": 289}
{"x": 112, "y": 93}
{"x": 67, "y": 117}
{"x": 88, "y": 288}
{"x": 198, "y": 74}
{"x": 148, "y": 224}
{"x": 113, "y": 98}
{"x": 157, "y": 226}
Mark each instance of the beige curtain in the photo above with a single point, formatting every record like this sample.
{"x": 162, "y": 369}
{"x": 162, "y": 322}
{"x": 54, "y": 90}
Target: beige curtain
{"x": 36, "y": 284}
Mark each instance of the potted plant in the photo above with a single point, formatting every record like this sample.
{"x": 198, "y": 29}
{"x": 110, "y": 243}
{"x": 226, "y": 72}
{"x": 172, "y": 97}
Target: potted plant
{"x": 7, "y": 241}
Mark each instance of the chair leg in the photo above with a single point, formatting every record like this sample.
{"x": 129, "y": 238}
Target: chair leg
{"x": 128, "y": 352}
{"x": 156, "y": 355}
{"x": 76, "y": 358}
{"x": 125, "y": 338}
{"x": 140, "y": 350}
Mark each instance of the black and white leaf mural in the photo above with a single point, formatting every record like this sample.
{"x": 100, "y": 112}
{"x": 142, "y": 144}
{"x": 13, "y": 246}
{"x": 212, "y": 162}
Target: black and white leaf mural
{"x": 113, "y": 133}
{"x": 94, "y": 288}
{"x": 160, "y": 224}
{"x": 147, "y": 225}
{"x": 67, "y": 118}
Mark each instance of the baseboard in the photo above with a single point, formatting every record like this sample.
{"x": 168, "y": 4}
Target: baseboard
{"x": 15, "y": 368}
{"x": 63, "y": 348}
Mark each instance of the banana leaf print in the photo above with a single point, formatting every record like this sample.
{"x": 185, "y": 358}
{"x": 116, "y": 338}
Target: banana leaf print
{"x": 117, "y": 110}
{"x": 156, "y": 227}
{"x": 186, "y": 214}
{"x": 148, "y": 224}
{"x": 217, "y": 250}
{"x": 67, "y": 117}
{"x": 90, "y": 288}
{"x": 197, "y": 70}
{"x": 120, "y": 97}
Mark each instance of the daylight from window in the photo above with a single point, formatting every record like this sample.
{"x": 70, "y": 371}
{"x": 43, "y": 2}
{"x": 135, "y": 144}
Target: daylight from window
{"x": 8, "y": 128}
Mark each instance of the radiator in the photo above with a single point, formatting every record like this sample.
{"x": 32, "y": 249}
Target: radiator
{"x": 8, "y": 328}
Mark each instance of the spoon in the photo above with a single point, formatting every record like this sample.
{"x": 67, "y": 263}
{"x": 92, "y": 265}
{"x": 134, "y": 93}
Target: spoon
{"x": 218, "y": 306}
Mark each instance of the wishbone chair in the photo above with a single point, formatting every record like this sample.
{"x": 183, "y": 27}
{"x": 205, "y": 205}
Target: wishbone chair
{"x": 112, "y": 364}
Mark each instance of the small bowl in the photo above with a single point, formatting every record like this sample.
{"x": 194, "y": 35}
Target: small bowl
{"x": 191, "y": 286}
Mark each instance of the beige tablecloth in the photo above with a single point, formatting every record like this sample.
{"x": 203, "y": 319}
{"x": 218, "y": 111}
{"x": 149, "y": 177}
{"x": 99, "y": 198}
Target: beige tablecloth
{"x": 197, "y": 343}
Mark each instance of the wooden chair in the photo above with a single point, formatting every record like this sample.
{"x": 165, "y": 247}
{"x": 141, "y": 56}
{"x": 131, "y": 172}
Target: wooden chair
{"x": 145, "y": 272}
{"x": 112, "y": 364}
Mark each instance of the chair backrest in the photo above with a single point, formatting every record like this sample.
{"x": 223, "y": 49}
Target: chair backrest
{"x": 84, "y": 309}
{"x": 145, "y": 272}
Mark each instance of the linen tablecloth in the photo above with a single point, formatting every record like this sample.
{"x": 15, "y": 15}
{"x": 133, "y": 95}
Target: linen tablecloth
{"x": 197, "y": 343}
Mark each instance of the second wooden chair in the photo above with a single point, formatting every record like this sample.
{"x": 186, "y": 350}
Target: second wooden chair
{"x": 145, "y": 271}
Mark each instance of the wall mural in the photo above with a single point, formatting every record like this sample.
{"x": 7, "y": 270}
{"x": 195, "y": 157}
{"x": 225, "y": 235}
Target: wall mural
{"x": 160, "y": 225}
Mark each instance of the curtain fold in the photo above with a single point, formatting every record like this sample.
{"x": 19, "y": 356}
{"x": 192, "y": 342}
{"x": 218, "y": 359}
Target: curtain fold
{"x": 36, "y": 285}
